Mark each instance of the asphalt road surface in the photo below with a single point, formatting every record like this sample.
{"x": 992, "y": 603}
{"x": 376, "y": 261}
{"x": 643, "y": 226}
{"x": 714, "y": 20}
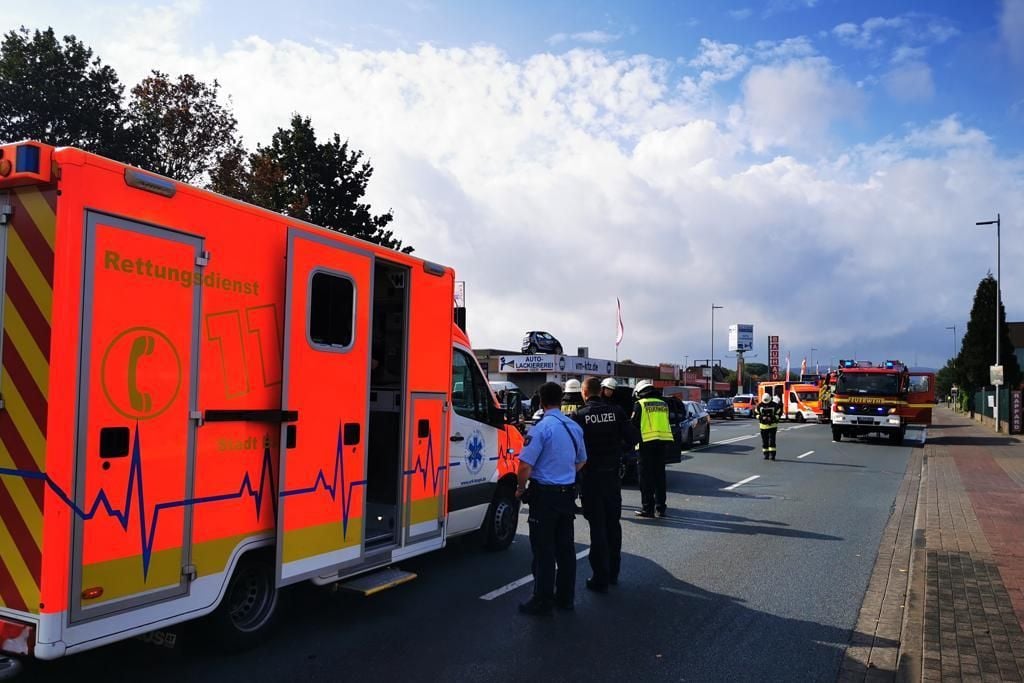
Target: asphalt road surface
{"x": 758, "y": 581}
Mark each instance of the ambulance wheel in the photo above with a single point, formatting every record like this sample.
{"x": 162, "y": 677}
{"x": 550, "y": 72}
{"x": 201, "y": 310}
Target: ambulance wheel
{"x": 799, "y": 417}
{"x": 502, "y": 519}
{"x": 250, "y": 607}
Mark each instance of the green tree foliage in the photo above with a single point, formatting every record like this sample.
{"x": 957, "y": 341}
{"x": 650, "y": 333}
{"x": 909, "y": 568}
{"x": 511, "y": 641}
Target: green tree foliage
{"x": 755, "y": 369}
{"x": 56, "y": 92}
{"x": 180, "y": 127}
{"x": 945, "y": 378}
{"x": 979, "y": 347}
{"x": 323, "y": 183}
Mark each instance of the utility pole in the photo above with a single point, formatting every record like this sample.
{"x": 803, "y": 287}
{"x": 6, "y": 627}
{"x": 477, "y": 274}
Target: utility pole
{"x": 711, "y": 381}
{"x": 997, "y": 222}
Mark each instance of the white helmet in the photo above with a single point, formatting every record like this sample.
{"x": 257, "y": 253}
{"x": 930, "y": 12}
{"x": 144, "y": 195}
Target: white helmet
{"x": 609, "y": 383}
{"x": 641, "y": 386}
{"x": 766, "y": 398}
{"x": 777, "y": 400}
{"x": 572, "y": 386}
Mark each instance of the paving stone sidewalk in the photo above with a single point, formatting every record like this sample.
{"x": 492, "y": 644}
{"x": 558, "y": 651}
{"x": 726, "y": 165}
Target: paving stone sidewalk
{"x": 945, "y": 601}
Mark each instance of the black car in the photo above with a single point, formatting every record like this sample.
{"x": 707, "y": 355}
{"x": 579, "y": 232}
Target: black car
{"x": 678, "y": 417}
{"x": 541, "y": 342}
{"x": 721, "y": 407}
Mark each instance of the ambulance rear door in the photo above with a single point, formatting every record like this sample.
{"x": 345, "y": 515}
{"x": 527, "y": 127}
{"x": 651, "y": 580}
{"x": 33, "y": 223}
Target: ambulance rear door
{"x": 322, "y": 497}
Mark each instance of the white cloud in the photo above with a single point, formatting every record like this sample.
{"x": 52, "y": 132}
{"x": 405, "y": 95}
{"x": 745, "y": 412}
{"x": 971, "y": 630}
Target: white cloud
{"x": 584, "y": 163}
{"x": 878, "y": 32}
{"x": 910, "y": 82}
{"x": 794, "y": 104}
{"x": 590, "y": 37}
{"x": 741, "y": 14}
{"x": 866, "y": 36}
{"x": 1011, "y": 28}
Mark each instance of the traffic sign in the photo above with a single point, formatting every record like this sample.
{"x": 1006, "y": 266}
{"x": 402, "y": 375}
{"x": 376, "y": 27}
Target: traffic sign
{"x": 995, "y": 375}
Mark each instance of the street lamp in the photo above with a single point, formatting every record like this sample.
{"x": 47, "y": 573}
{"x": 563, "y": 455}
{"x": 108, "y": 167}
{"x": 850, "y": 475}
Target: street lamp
{"x": 810, "y": 359}
{"x": 997, "y": 222}
{"x": 711, "y": 381}
{"x": 953, "y": 357}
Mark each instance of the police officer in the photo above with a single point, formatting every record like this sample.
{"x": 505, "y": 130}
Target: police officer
{"x": 606, "y": 431}
{"x": 650, "y": 417}
{"x": 768, "y": 419}
{"x": 572, "y": 400}
{"x": 552, "y": 454}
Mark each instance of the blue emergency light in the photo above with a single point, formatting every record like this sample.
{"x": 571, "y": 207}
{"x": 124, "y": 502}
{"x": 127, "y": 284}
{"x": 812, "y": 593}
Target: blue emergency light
{"x": 26, "y": 159}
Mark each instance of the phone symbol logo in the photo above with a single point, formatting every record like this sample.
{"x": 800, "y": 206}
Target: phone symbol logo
{"x": 141, "y": 373}
{"x": 140, "y": 401}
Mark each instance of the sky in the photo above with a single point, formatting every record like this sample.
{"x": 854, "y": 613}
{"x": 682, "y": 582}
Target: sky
{"x": 816, "y": 167}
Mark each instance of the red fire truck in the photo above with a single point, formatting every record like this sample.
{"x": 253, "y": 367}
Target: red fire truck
{"x": 882, "y": 399}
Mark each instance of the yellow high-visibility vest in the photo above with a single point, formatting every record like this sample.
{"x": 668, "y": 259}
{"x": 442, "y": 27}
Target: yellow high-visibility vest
{"x": 654, "y": 424}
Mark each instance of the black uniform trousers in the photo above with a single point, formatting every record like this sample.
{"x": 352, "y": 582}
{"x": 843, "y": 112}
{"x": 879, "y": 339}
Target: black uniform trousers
{"x": 602, "y": 506}
{"x": 652, "y": 475}
{"x": 552, "y": 541}
{"x": 768, "y": 441}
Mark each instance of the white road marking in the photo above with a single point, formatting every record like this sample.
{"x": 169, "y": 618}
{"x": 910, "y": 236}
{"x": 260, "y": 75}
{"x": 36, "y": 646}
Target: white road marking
{"x": 741, "y": 483}
{"x": 509, "y": 587}
{"x": 804, "y": 455}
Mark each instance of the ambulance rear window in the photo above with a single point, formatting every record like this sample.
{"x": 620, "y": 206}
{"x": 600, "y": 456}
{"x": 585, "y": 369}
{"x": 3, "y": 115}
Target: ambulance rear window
{"x": 331, "y": 304}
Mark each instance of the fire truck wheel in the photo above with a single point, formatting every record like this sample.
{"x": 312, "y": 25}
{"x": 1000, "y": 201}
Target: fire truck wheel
{"x": 502, "y": 519}
{"x": 250, "y": 607}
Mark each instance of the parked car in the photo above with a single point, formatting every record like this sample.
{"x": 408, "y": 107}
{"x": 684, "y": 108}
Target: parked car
{"x": 541, "y": 342}
{"x": 744, "y": 404}
{"x": 721, "y": 407}
{"x": 695, "y": 428}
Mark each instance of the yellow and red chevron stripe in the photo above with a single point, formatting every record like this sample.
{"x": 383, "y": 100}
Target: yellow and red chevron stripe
{"x": 24, "y": 384}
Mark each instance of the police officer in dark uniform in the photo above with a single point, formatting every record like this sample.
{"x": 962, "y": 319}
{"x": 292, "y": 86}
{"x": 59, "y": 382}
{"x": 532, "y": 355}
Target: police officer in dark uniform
{"x": 606, "y": 430}
{"x": 552, "y": 454}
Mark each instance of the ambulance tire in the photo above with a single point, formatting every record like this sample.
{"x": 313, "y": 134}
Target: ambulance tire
{"x": 502, "y": 519}
{"x": 799, "y": 417}
{"x": 250, "y": 608}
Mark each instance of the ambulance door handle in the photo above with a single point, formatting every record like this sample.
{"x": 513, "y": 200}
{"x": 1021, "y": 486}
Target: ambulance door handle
{"x": 458, "y": 437}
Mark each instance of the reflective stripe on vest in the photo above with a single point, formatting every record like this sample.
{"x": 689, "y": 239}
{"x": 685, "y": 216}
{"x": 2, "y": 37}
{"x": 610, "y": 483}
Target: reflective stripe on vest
{"x": 654, "y": 424}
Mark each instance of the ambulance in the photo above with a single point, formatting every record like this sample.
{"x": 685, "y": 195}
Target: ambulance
{"x": 203, "y": 402}
{"x": 800, "y": 399}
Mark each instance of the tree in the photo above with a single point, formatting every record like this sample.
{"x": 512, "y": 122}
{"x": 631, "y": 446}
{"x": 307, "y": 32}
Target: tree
{"x": 978, "y": 350}
{"x": 322, "y": 183}
{"x": 755, "y": 369}
{"x": 181, "y": 129}
{"x": 58, "y": 93}
{"x": 945, "y": 378}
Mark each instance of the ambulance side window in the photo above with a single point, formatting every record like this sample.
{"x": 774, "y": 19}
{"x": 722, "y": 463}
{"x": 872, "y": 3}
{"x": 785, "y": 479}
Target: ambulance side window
{"x": 331, "y": 310}
{"x": 469, "y": 392}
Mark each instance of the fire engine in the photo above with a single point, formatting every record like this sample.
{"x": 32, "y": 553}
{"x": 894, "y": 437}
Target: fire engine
{"x": 204, "y": 402}
{"x": 882, "y": 399}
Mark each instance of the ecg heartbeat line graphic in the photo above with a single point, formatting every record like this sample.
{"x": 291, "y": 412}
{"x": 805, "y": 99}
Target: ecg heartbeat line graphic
{"x": 426, "y": 466}
{"x": 134, "y": 495}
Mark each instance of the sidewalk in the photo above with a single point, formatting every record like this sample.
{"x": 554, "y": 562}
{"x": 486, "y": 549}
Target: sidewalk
{"x": 946, "y": 598}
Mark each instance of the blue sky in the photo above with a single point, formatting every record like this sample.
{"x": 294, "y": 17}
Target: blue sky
{"x": 815, "y": 166}
{"x": 969, "y": 64}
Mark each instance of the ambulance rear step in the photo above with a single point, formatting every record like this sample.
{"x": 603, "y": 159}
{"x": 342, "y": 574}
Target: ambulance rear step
{"x": 375, "y": 582}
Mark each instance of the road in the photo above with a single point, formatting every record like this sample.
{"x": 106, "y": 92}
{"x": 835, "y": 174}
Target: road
{"x": 759, "y": 582}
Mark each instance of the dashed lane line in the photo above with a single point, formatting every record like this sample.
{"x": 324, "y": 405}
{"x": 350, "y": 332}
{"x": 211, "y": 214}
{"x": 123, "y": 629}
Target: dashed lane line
{"x": 730, "y": 487}
{"x": 804, "y": 455}
{"x": 509, "y": 587}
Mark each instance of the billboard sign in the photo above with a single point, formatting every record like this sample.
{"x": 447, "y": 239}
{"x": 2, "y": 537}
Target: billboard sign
{"x": 741, "y": 338}
{"x": 573, "y": 365}
{"x": 773, "y": 356}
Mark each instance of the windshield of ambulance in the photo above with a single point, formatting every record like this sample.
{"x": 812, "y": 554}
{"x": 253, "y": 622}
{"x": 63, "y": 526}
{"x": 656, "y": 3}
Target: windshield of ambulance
{"x": 805, "y": 396}
{"x": 868, "y": 384}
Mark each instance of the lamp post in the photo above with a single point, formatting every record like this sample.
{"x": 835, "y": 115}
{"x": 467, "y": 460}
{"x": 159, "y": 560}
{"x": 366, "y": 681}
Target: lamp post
{"x": 953, "y": 357}
{"x": 997, "y": 222}
{"x": 711, "y": 380}
{"x": 810, "y": 358}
